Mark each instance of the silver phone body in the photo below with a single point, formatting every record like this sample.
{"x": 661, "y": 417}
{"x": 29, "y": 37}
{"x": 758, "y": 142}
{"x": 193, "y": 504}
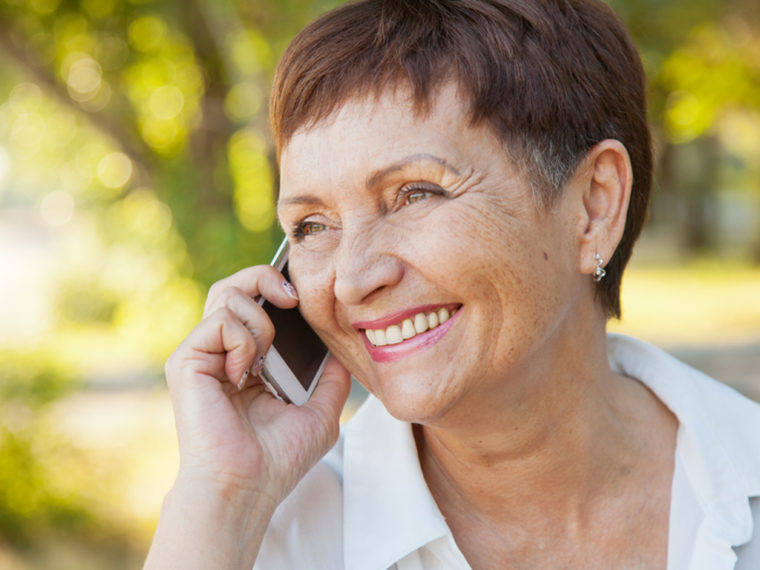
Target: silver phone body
{"x": 297, "y": 357}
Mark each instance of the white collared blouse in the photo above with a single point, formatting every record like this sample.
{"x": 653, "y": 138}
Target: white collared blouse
{"x": 366, "y": 505}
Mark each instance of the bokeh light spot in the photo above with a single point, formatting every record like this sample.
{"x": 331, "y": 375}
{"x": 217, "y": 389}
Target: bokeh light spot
{"x": 44, "y": 7}
{"x": 244, "y": 100}
{"x": 99, "y": 99}
{"x": 98, "y": 9}
{"x": 26, "y": 132}
{"x": 146, "y": 215}
{"x": 686, "y": 117}
{"x": 740, "y": 133}
{"x": 25, "y": 98}
{"x": 160, "y": 134}
{"x": 254, "y": 206}
{"x": 83, "y": 78}
{"x": 114, "y": 170}
{"x": 166, "y": 102}
{"x": 57, "y": 208}
{"x": 250, "y": 52}
{"x": 146, "y": 33}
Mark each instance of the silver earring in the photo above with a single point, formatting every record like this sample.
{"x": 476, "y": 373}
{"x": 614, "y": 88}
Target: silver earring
{"x": 599, "y": 272}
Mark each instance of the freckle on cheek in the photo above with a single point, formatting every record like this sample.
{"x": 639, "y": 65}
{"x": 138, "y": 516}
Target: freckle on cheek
{"x": 546, "y": 256}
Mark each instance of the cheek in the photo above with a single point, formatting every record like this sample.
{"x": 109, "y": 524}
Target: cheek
{"x": 314, "y": 286}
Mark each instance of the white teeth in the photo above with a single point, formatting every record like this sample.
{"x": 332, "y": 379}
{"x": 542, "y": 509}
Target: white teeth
{"x": 408, "y": 328}
{"x": 393, "y": 334}
{"x": 420, "y": 323}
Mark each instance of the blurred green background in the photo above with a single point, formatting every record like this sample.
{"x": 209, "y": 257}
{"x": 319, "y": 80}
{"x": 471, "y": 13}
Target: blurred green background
{"x": 136, "y": 169}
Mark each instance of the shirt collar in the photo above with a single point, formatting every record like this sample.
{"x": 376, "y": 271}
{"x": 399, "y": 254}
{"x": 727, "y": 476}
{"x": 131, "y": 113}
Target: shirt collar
{"x": 717, "y": 443}
{"x": 388, "y": 509}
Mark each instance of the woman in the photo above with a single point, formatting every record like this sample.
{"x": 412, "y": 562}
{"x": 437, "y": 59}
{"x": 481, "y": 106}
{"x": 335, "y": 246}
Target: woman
{"x": 480, "y": 160}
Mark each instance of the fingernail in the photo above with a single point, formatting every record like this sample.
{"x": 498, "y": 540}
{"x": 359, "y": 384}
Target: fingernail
{"x": 241, "y": 384}
{"x": 258, "y": 365}
{"x": 290, "y": 290}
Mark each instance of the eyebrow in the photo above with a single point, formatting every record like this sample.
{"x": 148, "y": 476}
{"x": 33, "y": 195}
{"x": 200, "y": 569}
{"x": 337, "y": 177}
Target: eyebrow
{"x": 374, "y": 178}
{"x": 302, "y": 200}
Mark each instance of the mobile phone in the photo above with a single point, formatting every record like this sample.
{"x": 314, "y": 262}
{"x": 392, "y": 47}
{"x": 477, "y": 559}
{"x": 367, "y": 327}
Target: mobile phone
{"x": 297, "y": 357}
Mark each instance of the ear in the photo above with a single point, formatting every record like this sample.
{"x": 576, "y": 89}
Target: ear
{"x": 605, "y": 177}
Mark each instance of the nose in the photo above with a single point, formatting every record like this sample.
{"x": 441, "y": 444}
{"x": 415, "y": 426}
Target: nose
{"x": 364, "y": 266}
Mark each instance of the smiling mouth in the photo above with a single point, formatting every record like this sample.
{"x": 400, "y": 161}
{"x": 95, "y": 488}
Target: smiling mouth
{"x": 410, "y": 327}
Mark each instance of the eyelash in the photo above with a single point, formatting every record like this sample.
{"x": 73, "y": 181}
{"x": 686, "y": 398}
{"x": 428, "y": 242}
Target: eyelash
{"x": 306, "y": 227}
{"x": 426, "y": 190}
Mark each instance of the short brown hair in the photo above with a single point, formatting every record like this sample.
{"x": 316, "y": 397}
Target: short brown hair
{"x": 551, "y": 77}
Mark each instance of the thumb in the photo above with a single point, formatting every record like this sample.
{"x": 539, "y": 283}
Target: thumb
{"x": 331, "y": 393}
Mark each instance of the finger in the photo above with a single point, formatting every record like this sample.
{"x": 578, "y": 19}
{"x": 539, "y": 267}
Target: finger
{"x": 331, "y": 393}
{"x": 258, "y": 280}
{"x": 250, "y": 313}
{"x": 221, "y": 346}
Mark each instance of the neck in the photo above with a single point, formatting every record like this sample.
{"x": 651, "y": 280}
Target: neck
{"x": 562, "y": 430}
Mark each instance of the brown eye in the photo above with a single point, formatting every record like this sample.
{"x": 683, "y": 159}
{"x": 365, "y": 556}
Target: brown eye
{"x": 309, "y": 228}
{"x": 415, "y": 196}
{"x": 314, "y": 227}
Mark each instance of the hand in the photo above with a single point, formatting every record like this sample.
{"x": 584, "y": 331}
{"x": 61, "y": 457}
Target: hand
{"x": 246, "y": 441}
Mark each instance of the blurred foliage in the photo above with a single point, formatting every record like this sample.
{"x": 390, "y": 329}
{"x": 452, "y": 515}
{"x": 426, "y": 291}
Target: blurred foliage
{"x": 136, "y": 168}
{"x": 167, "y": 97}
{"x": 30, "y": 503}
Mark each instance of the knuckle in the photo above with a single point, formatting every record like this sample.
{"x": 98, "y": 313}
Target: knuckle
{"x": 225, "y": 315}
{"x": 229, "y": 293}
{"x": 214, "y": 290}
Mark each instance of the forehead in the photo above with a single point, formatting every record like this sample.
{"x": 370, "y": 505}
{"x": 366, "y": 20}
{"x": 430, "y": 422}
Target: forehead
{"x": 375, "y": 132}
{"x": 397, "y": 97}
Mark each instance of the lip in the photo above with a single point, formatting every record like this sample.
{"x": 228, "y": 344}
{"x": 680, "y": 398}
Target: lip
{"x": 423, "y": 341}
{"x": 397, "y": 318}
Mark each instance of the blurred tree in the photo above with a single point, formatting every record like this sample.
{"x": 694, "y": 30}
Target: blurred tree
{"x": 179, "y": 91}
{"x": 703, "y": 61}
{"x": 26, "y": 497}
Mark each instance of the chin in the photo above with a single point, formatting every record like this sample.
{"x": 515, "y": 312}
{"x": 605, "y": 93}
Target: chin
{"x": 415, "y": 402}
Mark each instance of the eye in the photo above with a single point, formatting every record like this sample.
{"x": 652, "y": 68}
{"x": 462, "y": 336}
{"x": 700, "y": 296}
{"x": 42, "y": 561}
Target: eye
{"x": 307, "y": 228}
{"x": 417, "y": 193}
{"x": 415, "y": 196}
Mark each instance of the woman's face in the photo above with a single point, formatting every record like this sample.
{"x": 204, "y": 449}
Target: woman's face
{"x": 395, "y": 217}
